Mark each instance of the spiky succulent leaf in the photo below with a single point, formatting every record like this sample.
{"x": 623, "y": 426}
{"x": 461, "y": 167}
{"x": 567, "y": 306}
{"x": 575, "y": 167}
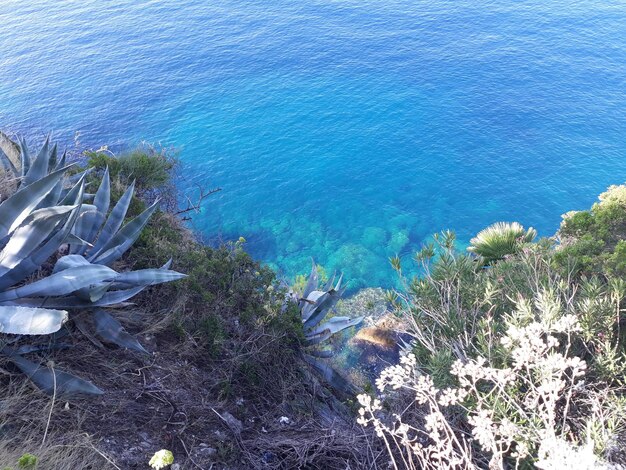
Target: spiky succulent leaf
{"x": 114, "y": 221}
{"x": 311, "y": 302}
{"x": 335, "y": 325}
{"x": 24, "y": 157}
{"x": 30, "y": 321}
{"x": 115, "y": 298}
{"x": 11, "y": 151}
{"x": 88, "y": 225}
{"x": 15, "y": 209}
{"x": 69, "y": 261}
{"x": 111, "y": 331}
{"x": 324, "y": 305}
{"x": 124, "y": 238}
{"x": 71, "y": 197}
{"x": 34, "y": 261}
{"x": 148, "y": 277}
{"x": 331, "y": 376}
{"x": 52, "y": 381}
{"x": 35, "y": 229}
{"x": 39, "y": 166}
{"x": 311, "y": 284}
{"x": 62, "y": 283}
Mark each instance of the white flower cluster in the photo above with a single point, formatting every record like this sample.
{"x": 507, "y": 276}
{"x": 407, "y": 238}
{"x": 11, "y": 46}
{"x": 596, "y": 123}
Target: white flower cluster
{"x": 514, "y": 409}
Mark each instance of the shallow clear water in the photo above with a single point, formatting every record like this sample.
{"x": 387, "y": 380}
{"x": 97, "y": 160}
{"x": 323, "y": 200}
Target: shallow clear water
{"x": 340, "y": 129}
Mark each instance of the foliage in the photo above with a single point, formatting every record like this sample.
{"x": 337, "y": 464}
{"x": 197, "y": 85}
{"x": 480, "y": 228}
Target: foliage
{"x": 148, "y": 166}
{"x": 27, "y": 461}
{"x": 41, "y": 217}
{"x": 499, "y": 240}
{"x": 498, "y": 353}
{"x": 592, "y": 241}
{"x": 315, "y": 303}
{"x": 522, "y": 412}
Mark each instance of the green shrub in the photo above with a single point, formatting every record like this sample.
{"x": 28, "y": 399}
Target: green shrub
{"x": 27, "y": 461}
{"x": 149, "y": 167}
{"x": 592, "y": 241}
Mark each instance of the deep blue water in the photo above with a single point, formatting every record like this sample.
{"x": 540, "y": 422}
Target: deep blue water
{"x": 346, "y": 130}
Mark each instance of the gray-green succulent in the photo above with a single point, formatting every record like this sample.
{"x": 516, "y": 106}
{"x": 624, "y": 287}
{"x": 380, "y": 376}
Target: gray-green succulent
{"x": 36, "y": 222}
{"x": 315, "y": 303}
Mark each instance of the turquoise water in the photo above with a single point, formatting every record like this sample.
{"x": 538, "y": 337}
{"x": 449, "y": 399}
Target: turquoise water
{"x": 340, "y": 129}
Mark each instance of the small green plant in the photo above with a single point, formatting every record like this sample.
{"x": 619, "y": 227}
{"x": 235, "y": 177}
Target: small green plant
{"x": 27, "y": 461}
{"x": 149, "y": 167}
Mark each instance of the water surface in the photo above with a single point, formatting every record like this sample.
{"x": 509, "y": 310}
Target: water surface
{"x": 340, "y": 129}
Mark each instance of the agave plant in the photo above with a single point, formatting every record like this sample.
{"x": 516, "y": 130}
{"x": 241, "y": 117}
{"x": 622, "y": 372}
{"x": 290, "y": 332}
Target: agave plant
{"x": 39, "y": 218}
{"x": 315, "y": 303}
{"x": 500, "y": 239}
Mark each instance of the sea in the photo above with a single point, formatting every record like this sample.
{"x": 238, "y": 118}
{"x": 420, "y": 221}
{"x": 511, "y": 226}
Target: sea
{"x": 344, "y": 131}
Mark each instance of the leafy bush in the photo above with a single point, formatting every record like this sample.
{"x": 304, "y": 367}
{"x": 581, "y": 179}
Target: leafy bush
{"x": 498, "y": 353}
{"x": 592, "y": 241}
{"x": 149, "y": 167}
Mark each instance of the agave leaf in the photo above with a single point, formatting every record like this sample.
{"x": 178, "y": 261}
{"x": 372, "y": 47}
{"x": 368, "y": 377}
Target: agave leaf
{"x": 111, "y": 331}
{"x": 311, "y": 302}
{"x": 52, "y": 161}
{"x": 35, "y": 229}
{"x": 52, "y": 381}
{"x": 30, "y": 321}
{"x": 39, "y": 166}
{"x": 124, "y": 238}
{"x": 52, "y": 198}
{"x": 115, "y": 220}
{"x": 87, "y": 212}
{"x": 148, "y": 277}
{"x": 331, "y": 376}
{"x": 81, "y": 323}
{"x": 71, "y": 197}
{"x": 11, "y": 151}
{"x": 323, "y": 306}
{"x": 24, "y": 157}
{"x": 110, "y": 299}
{"x": 329, "y": 284}
{"x": 89, "y": 225}
{"x": 93, "y": 293}
{"x": 74, "y": 240}
{"x": 33, "y": 262}
{"x": 310, "y": 339}
{"x": 323, "y": 353}
{"x": 62, "y": 283}
{"x": 69, "y": 261}
{"x": 338, "y": 286}
{"x": 15, "y": 209}
{"x": 312, "y": 282}
{"x": 61, "y": 162}
{"x": 336, "y": 324}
